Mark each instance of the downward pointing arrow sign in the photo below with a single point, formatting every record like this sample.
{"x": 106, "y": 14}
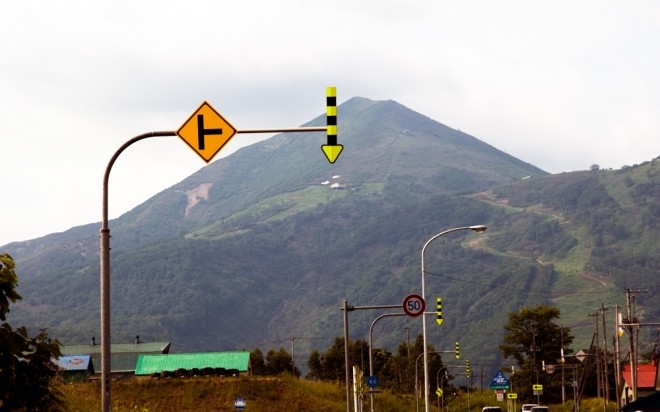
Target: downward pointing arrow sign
{"x": 332, "y": 149}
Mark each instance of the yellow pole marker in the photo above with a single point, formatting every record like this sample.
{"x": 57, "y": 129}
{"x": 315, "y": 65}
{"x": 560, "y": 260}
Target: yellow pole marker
{"x": 439, "y": 320}
{"x": 331, "y": 149}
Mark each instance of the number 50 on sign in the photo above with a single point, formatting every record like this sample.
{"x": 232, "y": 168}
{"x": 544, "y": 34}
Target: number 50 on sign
{"x": 414, "y": 305}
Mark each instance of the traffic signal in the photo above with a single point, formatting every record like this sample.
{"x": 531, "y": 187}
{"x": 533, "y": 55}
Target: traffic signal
{"x": 458, "y": 351}
{"x": 467, "y": 368}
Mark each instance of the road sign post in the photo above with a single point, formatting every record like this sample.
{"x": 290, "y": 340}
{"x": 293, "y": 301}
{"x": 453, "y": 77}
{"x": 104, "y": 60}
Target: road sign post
{"x": 414, "y": 305}
{"x": 206, "y": 132}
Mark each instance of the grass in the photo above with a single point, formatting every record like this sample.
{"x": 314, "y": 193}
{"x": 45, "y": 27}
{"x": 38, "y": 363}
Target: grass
{"x": 264, "y": 395}
{"x": 206, "y": 394}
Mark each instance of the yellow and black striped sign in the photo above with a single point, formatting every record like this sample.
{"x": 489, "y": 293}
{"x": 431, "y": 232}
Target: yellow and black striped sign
{"x": 331, "y": 149}
{"x": 331, "y": 114}
{"x": 439, "y": 320}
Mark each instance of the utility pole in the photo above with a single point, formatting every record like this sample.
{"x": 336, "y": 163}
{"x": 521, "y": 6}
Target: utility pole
{"x": 607, "y": 386}
{"x": 293, "y": 354}
{"x": 535, "y": 349}
{"x": 562, "y": 361}
{"x": 633, "y": 339}
{"x": 407, "y": 328}
{"x": 599, "y": 376}
{"x": 617, "y": 355}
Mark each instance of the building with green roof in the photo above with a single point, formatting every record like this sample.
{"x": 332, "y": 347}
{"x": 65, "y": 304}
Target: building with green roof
{"x": 123, "y": 356}
{"x": 236, "y": 361}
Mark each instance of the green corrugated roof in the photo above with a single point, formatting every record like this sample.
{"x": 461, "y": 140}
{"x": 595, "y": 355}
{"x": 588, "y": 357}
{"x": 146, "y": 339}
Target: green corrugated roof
{"x": 148, "y": 364}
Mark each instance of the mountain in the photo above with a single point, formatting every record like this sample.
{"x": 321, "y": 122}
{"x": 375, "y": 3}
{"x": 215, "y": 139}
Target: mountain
{"x": 258, "y": 250}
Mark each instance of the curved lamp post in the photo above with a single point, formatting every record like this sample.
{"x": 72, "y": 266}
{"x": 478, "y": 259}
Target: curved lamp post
{"x": 442, "y": 385}
{"x": 371, "y": 347}
{"x": 477, "y": 228}
{"x": 104, "y": 236}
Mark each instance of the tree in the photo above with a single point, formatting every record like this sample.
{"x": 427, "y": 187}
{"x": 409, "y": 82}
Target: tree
{"x": 257, "y": 362}
{"x": 532, "y": 338}
{"x": 280, "y": 361}
{"x": 26, "y": 364}
{"x": 394, "y": 371}
{"x": 332, "y": 364}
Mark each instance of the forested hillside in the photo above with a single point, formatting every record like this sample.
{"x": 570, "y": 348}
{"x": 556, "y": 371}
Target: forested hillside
{"x": 257, "y": 249}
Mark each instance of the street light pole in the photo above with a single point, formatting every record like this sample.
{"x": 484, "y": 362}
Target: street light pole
{"x": 346, "y": 308}
{"x": 105, "y": 273}
{"x": 371, "y": 347}
{"x": 477, "y": 228}
{"x": 442, "y": 387}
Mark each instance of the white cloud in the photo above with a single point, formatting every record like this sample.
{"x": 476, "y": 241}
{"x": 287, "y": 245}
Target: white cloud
{"x": 560, "y": 84}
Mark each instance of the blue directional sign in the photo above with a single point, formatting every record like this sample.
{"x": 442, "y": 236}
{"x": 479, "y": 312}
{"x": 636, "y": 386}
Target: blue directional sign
{"x": 499, "y": 382}
{"x": 372, "y": 381}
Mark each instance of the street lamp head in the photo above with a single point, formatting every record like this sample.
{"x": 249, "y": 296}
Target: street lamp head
{"x": 479, "y": 228}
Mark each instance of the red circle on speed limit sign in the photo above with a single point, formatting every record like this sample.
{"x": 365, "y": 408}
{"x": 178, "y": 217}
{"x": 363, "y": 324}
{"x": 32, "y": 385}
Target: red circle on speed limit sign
{"x": 414, "y": 305}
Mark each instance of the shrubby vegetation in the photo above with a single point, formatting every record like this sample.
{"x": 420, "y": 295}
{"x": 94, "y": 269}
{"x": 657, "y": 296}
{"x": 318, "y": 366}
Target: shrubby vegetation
{"x": 26, "y": 367}
{"x": 275, "y": 363}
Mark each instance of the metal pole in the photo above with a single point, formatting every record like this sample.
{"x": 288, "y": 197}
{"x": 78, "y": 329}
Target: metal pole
{"x": 606, "y": 398}
{"x": 617, "y": 365}
{"x": 535, "y": 349}
{"x": 286, "y": 130}
{"x": 442, "y": 387}
{"x": 417, "y": 383}
{"x": 105, "y": 273}
{"x": 105, "y": 256}
{"x": 346, "y": 362}
{"x": 477, "y": 228}
{"x": 576, "y": 406}
{"x": 563, "y": 375}
{"x": 633, "y": 354}
{"x": 346, "y": 309}
{"x": 371, "y": 358}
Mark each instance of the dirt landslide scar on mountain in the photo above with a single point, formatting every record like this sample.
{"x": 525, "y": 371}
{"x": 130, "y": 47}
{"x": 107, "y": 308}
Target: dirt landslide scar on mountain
{"x": 196, "y": 194}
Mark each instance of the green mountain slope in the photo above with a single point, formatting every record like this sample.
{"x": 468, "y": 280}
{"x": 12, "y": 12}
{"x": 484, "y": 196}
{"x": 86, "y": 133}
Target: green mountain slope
{"x": 257, "y": 249}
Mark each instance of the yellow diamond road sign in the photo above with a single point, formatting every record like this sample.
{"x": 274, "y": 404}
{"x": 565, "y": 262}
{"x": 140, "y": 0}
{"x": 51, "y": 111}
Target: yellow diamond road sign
{"x": 206, "y": 132}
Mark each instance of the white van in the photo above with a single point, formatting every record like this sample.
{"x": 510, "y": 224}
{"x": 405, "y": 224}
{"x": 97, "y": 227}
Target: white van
{"x": 528, "y": 407}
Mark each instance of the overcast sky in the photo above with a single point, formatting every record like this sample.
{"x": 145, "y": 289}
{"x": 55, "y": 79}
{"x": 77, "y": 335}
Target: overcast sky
{"x": 559, "y": 84}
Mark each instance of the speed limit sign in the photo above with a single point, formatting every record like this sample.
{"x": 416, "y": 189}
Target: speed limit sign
{"x": 414, "y": 305}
